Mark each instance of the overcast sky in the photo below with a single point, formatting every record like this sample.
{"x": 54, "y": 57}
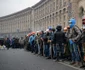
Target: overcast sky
{"x": 10, "y": 6}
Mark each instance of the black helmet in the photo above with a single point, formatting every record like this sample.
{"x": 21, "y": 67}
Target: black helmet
{"x": 53, "y": 29}
{"x": 59, "y": 27}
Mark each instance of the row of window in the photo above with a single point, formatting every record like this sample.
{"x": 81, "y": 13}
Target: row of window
{"x": 46, "y": 22}
{"x": 49, "y": 7}
{"x": 11, "y": 25}
{"x": 42, "y": 15}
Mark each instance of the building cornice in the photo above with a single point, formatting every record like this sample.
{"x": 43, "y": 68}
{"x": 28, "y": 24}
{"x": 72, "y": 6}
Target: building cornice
{"x": 27, "y": 9}
{"x": 39, "y": 3}
{"x": 22, "y": 11}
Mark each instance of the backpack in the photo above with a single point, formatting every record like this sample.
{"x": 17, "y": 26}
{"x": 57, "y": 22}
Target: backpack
{"x": 75, "y": 30}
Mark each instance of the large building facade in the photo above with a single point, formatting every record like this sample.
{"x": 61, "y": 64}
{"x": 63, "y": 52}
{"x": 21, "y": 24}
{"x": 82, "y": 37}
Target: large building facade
{"x": 42, "y": 15}
{"x": 17, "y": 24}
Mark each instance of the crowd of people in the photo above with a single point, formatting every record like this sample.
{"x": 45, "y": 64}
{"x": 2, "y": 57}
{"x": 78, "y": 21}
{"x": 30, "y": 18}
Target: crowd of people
{"x": 12, "y": 42}
{"x": 59, "y": 44}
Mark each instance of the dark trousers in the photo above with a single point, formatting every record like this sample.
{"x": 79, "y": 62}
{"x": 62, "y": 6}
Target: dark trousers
{"x": 60, "y": 51}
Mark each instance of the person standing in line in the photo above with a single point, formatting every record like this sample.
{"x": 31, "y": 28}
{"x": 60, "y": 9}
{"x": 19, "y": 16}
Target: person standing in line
{"x": 21, "y": 41}
{"x": 7, "y": 43}
{"x": 73, "y": 35}
{"x": 59, "y": 38}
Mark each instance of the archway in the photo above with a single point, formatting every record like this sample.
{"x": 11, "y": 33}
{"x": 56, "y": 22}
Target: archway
{"x": 81, "y": 11}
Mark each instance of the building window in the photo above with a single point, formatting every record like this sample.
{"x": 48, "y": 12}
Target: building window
{"x": 53, "y": 6}
{"x": 56, "y": 2}
{"x": 64, "y": 10}
{"x": 64, "y": 3}
{"x": 64, "y": 24}
{"x": 60, "y": 3}
{"x": 81, "y": 11}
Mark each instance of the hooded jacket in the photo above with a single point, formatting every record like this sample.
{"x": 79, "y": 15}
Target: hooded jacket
{"x": 31, "y": 39}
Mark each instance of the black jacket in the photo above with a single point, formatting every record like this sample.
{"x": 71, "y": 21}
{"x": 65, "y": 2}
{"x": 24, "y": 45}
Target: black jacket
{"x": 59, "y": 37}
{"x": 83, "y": 37}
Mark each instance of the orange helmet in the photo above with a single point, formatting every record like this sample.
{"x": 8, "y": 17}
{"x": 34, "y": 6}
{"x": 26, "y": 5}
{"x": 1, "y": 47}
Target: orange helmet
{"x": 65, "y": 29}
{"x": 29, "y": 34}
{"x": 32, "y": 33}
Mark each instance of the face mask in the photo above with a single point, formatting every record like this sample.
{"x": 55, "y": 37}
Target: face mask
{"x": 72, "y": 22}
{"x": 71, "y": 25}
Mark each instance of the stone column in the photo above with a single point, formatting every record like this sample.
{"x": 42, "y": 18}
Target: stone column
{"x": 32, "y": 20}
{"x": 75, "y": 9}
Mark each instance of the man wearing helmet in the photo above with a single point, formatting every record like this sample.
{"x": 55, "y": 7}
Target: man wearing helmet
{"x": 83, "y": 43}
{"x": 59, "y": 38}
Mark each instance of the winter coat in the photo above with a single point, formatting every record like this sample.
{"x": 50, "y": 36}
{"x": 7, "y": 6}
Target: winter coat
{"x": 31, "y": 39}
{"x": 74, "y": 33}
{"x": 46, "y": 39}
{"x": 21, "y": 41}
{"x": 59, "y": 37}
{"x": 83, "y": 37}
